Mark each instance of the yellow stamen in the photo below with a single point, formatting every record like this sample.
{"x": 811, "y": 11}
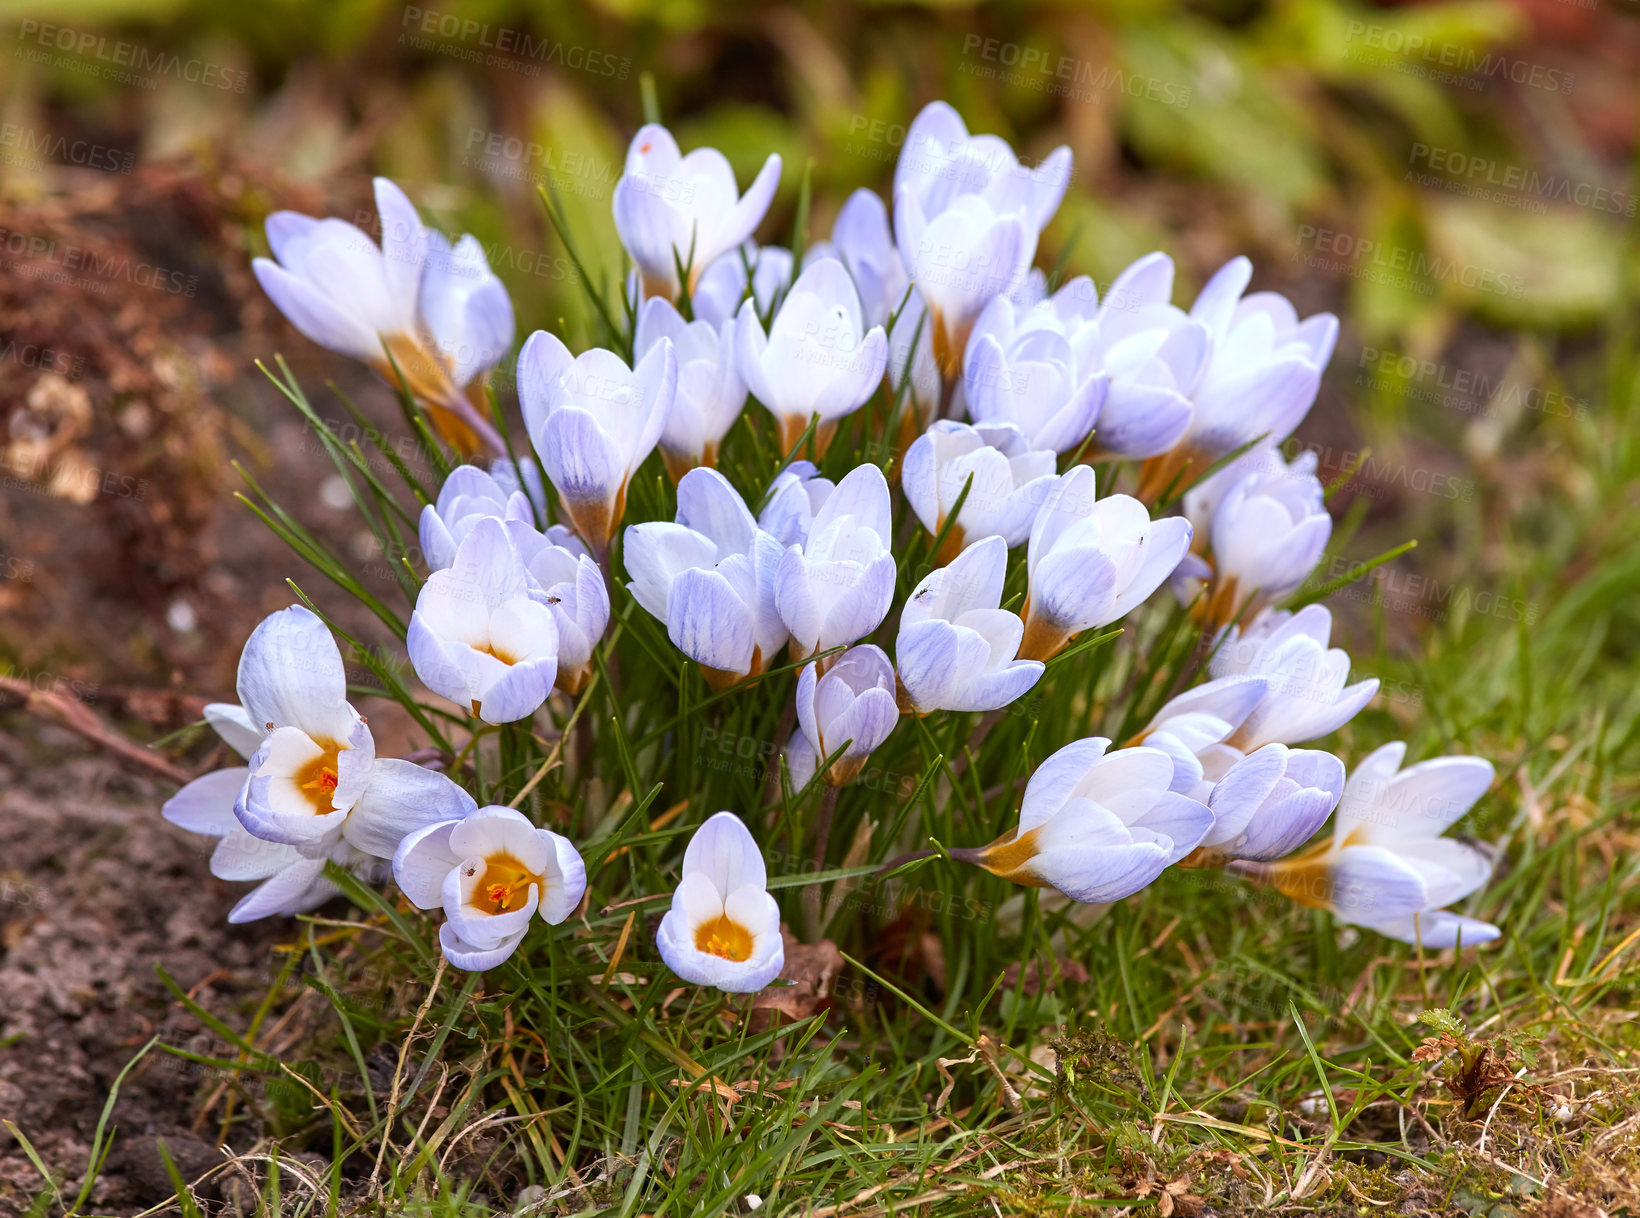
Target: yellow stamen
{"x": 319, "y": 778}
{"x": 725, "y": 938}
{"x": 504, "y": 886}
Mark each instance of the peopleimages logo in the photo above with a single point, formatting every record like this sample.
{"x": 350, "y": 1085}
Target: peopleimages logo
{"x": 1360, "y": 255}
{"x": 21, "y": 143}
{"x": 513, "y": 47}
{"x": 127, "y": 62}
{"x": 1475, "y": 172}
{"x": 1467, "y": 66}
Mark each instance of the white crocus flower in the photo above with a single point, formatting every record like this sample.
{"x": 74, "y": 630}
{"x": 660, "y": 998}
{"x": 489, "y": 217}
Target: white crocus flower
{"x": 1096, "y": 825}
{"x": 313, "y": 789}
{"x": 478, "y": 638}
{"x": 1387, "y": 867}
{"x": 852, "y": 704}
{"x": 1306, "y": 697}
{"x": 710, "y": 577}
{"x": 492, "y": 871}
{"x": 796, "y": 494}
{"x": 710, "y": 392}
{"x": 673, "y": 210}
{"x": 1267, "y": 528}
{"x": 1270, "y": 802}
{"x": 967, "y": 215}
{"x": 570, "y": 584}
{"x": 1190, "y": 725}
{"x": 593, "y": 420}
{"x": 1010, "y": 482}
{"x": 836, "y": 586}
{"x": 956, "y": 647}
{"x": 1091, "y": 561}
{"x": 1024, "y": 371}
{"x": 468, "y": 495}
{"x": 911, "y": 366}
{"x": 723, "y": 929}
{"x": 862, "y": 240}
{"x": 434, "y": 311}
{"x": 817, "y": 358}
{"x": 724, "y": 285}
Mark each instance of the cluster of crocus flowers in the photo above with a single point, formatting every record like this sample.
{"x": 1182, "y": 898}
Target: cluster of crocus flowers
{"x": 1010, "y": 394}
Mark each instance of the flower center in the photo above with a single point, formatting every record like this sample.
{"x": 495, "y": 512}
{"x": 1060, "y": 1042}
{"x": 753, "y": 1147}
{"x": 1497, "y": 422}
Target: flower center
{"x": 724, "y": 938}
{"x": 319, "y": 778}
{"x": 504, "y": 886}
{"x": 505, "y": 657}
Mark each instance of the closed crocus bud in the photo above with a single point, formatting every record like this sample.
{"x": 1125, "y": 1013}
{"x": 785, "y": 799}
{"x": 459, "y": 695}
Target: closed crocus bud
{"x": 797, "y": 493}
{"x": 593, "y": 420}
{"x": 468, "y": 495}
{"x": 1306, "y": 695}
{"x": 956, "y": 647}
{"x": 836, "y": 586}
{"x": 862, "y": 240}
{"x": 1096, "y": 825}
{"x": 676, "y": 211}
{"x": 852, "y": 704}
{"x": 1187, "y": 727}
{"x": 724, "y": 285}
{"x": 1270, "y": 803}
{"x": 1009, "y": 482}
{"x": 478, "y": 638}
{"x": 1387, "y": 867}
{"x": 1028, "y": 375}
{"x": 569, "y": 583}
{"x": 710, "y": 392}
{"x": 967, "y": 215}
{"x": 817, "y": 358}
{"x": 412, "y": 307}
{"x": 492, "y": 871}
{"x": 711, "y": 578}
{"x": 1091, "y": 561}
{"x": 723, "y": 929}
{"x": 1267, "y": 534}
{"x": 313, "y": 780}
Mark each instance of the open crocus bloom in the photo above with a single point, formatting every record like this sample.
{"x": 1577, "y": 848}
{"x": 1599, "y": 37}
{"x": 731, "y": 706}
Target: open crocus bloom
{"x": 1020, "y": 368}
{"x": 673, "y": 210}
{"x": 468, "y": 495}
{"x": 710, "y": 392}
{"x": 492, "y": 871}
{"x": 433, "y": 310}
{"x": 1306, "y": 697}
{"x": 967, "y": 215}
{"x": 852, "y": 704}
{"x": 1190, "y": 725}
{"x": 723, "y": 928}
{"x": 710, "y": 578}
{"x": 1010, "y": 481}
{"x": 796, "y": 494}
{"x": 1269, "y": 803}
{"x": 862, "y": 241}
{"x": 478, "y": 638}
{"x": 956, "y": 647}
{"x": 836, "y": 586}
{"x": 566, "y": 580}
{"x": 1387, "y": 867}
{"x": 313, "y": 789}
{"x": 1092, "y": 560}
{"x": 593, "y": 420}
{"x": 1097, "y": 826}
{"x": 817, "y": 358}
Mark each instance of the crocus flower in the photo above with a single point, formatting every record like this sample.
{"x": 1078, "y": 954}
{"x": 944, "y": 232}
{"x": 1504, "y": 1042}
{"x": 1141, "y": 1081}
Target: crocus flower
{"x": 492, "y": 871}
{"x": 673, "y": 210}
{"x": 836, "y": 586}
{"x": 1091, "y": 561}
{"x": 724, "y": 285}
{"x": 956, "y": 647}
{"x": 852, "y": 703}
{"x": 478, "y": 638}
{"x": 797, "y": 493}
{"x": 1025, "y": 372}
{"x": 862, "y": 240}
{"x": 468, "y": 495}
{"x": 1096, "y": 825}
{"x": 710, "y": 392}
{"x": 711, "y": 578}
{"x": 593, "y": 420}
{"x": 1306, "y": 696}
{"x": 723, "y": 929}
{"x": 1387, "y": 867}
{"x": 1010, "y": 481}
{"x": 1266, "y": 534}
{"x": 817, "y": 357}
{"x": 1190, "y": 727}
{"x": 433, "y": 310}
{"x": 967, "y": 215}
{"x": 569, "y": 583}
{"x": 1270, "y": 802}
{"x": 313, "y": 789}
{"x": 911, "y": 366}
